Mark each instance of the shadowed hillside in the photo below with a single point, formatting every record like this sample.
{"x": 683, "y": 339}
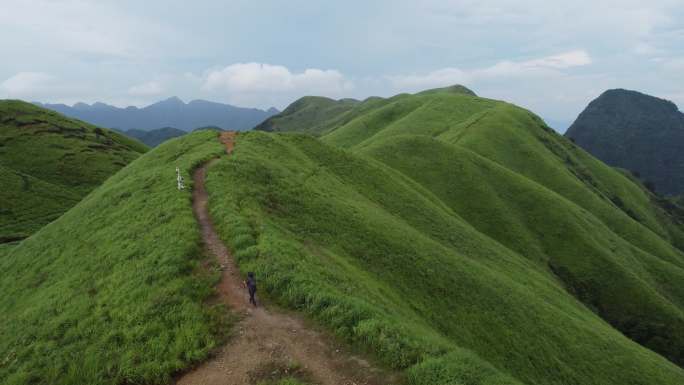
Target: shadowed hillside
{"x": 637, "y": 132}
{"x": 49, "y": 162}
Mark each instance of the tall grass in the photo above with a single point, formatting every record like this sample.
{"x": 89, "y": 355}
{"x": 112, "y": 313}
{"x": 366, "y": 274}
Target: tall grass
{"x": 49, "y": 162}
{"x": 388, "y": 263}
{"x": 112, "y": 292}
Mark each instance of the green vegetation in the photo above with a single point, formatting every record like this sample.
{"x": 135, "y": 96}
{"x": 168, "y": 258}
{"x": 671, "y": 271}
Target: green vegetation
{"x": 5, "y": 248}
{"x": 312, "y": 114}
{"x": 453, "y": 237}
{"x": 49, "y": 162}
{"x": 463, "y": 240}
{"x": 112, "y": 292}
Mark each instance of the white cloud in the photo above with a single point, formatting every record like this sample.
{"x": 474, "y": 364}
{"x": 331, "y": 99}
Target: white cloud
{"x": 564, "y": 60}
{"x": 260, "y": 77}
{"x": 83, "y": 29}
{"x": 441, "y": 77}
{"x": 674, "y": 64}
{"x": 507, "y": 68}
{"x": 146, "y": 89}
{"x": 646, "y": 49}
{"x": 27, "y": 84}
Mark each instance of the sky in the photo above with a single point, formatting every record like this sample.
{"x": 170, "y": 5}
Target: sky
{"x": 552, "y": 57}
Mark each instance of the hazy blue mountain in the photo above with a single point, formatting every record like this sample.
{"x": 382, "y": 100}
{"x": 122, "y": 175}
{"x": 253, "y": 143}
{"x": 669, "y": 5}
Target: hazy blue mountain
{"x": 155, "y": 137}
{"x": 171, "y": 112}
{"x": 637, "y": 132}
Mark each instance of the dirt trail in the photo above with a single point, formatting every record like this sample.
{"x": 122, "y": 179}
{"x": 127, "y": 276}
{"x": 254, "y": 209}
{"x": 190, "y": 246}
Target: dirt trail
{"x": 267, "y": 341}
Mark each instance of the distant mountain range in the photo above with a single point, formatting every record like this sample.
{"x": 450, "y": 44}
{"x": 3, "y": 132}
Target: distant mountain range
{"x": 637, "y": 132}
{"x": 172, "y": 112}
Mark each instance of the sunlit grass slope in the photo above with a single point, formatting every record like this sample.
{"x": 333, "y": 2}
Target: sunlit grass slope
{"x": 111, "y": 293}
{"x": 49, "y": 162}
{"x": 29, "y": 203}
{"x": 312, "y": 114}
{"x": 389, "y": 262}
{"x": 627, "y": 266}
{"x": 458, "y": 236}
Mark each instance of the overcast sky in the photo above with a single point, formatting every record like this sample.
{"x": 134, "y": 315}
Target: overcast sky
{"x": 552, "y": 57}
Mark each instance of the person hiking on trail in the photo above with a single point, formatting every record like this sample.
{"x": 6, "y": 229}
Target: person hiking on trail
{"x": 250, "y": 284}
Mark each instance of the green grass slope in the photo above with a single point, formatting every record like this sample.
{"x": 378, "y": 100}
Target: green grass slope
{"x": 641, "y": 253}
{"x": 312, "y": 114}
{"x": 30, "y": 203}
{"x": 111, "y": 292}
{"x": 390, "y": 265}
{"x": 462, "y": 239}
{"x": 48, "y": 162}
{"x": 318, "y": 116}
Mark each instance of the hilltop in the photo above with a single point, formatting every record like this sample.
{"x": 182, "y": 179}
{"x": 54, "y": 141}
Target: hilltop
{"x": 637, "y": 132}
{"x": 49, "y": 162}
{"x": 171, "y": 112}
{"x": 454, "y": 238}
{"x": 318, "y": 115}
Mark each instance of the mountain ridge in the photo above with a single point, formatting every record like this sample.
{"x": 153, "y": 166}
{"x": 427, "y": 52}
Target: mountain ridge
{"x": 169, "y": 112}
{"x": 638, "y": 132}
{"x": 49, "y": 162}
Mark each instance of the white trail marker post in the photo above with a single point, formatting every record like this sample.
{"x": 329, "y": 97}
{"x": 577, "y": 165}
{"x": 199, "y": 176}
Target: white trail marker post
{"x": 179, "y": 179}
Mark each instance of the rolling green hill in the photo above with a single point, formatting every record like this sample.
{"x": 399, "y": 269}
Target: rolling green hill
{"x": 112, "y": 291}
{"x": 49, "y": 162}
{"x": 453, "y": 237}
{"x": 312, "y": 114}
{"x": 592, "y": 231}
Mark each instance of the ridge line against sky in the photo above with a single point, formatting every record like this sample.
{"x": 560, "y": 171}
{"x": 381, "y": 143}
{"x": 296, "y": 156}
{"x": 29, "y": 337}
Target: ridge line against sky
{"x": 552, "y": 58}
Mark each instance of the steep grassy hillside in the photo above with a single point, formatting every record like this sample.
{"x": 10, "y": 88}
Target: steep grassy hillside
{"x": 49, "y": 162}
{"x": 111, "y": 292}
{"x": 318, "y": 115}
{"x": 462, "y": 239}
{"x": 312, "y": 114}
{"x": 651, "y": 235}
{"x": 29, "y": 203}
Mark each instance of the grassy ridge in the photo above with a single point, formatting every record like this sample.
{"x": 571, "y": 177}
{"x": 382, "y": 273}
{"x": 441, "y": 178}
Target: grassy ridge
{"x": 623, "y": 244}
{"x": 49, "y": 162}
{"x": 312, "y": 114}
{"x": 387, "y": 262}
{"x": 111, "y": 293}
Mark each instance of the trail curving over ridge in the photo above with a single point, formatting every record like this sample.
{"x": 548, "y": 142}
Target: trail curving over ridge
{"x": 267, "y": 340}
